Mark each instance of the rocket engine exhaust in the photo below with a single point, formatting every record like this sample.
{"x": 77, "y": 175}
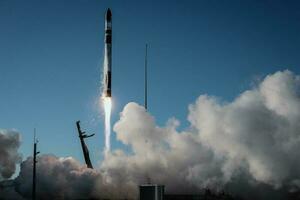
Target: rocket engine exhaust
{"x": 107, "y": 110}
{"x": 106, "y": 93}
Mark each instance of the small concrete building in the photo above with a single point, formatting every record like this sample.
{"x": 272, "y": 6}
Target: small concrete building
{"x": 151, "y": 192}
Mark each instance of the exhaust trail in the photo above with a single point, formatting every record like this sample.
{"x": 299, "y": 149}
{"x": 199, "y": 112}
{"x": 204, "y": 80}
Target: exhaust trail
{"x": 107, "y": 111}
{"x": 106, "y": 94}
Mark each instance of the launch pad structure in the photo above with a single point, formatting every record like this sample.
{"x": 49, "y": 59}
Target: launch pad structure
{"x": 85, "y": 150}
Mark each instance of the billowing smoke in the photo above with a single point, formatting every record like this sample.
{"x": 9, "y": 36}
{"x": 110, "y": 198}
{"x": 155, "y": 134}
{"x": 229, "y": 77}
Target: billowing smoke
{"x": 9, "y": 156}
{"x": 66, "y": 178}
{"x": 251, "y": 142}
{"x": 258, "y": 133}
{"x": 249, "y": 147}
{"x": 57, "y": 178}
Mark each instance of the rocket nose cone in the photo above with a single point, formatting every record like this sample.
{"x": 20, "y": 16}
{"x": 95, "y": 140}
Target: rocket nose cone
{"x": 108, "y": 15}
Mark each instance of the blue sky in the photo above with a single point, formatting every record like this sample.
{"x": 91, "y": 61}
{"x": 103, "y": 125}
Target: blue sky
{"x": 51, "y": 55}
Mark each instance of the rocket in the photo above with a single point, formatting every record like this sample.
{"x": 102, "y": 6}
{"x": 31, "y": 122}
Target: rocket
{"x": 107, "y": 54}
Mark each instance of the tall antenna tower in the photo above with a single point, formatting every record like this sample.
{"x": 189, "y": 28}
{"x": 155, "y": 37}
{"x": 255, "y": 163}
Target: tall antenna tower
{"x": 35, "y": 153}
{"x": 146, "y": 81}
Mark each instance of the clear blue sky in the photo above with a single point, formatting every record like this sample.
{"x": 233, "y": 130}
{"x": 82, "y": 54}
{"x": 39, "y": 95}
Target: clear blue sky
{"x": 51, "y": 56}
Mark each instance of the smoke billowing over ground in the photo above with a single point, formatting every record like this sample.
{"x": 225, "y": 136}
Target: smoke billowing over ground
{"x": 249, "y": 147}
{"x": 9, "y": 156}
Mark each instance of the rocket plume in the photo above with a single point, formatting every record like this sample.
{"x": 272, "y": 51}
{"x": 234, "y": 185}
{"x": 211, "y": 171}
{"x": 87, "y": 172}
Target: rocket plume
{"x": 107, "y": 111}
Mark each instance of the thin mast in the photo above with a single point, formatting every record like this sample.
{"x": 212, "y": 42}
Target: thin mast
{"x": 35, "y": 153}
{"x": 146, "y": 81}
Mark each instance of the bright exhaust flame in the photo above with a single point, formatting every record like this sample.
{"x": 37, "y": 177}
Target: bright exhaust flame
{"x": 107, "y": 111}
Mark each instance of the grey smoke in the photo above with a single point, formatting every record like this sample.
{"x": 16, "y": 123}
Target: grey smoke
{"x": 249, "y": 147}
{"x": 255, "y": 140}
{"x": 9, "y": 156}
{"x": 57, "y": 178}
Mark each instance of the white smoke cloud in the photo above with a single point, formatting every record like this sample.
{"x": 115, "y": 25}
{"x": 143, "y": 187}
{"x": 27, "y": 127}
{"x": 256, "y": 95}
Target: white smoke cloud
{"x": 250, "y": 147}
{"x": 9, "y": 156}
{"x": 256, "y": 136}
{"x": 258, "y": 132}
{"x": 66, "y": 178}
{"x": 57, "y": 178}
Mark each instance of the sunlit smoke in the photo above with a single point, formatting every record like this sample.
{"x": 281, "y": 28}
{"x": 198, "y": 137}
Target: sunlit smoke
{"x": 248, "y": 147}
{"x": 107, "y": 111}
